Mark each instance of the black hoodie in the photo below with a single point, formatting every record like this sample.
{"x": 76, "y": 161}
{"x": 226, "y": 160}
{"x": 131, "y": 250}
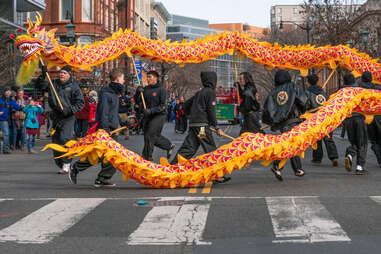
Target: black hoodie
{"x": 108, "y": 106}
{"x": 155, "y": 97}
{"x": 201, "y": 108}
{"x": 286, "y": 102}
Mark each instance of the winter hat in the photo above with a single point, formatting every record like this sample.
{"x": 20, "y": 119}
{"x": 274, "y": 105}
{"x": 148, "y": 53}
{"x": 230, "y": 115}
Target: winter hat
{"x": 66, "y": 68}
{"x": 7, "y": 88}
{"x": 312, "y": 79}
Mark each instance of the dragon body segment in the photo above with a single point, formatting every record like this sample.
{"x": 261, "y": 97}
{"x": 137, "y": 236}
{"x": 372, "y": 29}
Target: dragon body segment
{"x": 38, "y": 42}
{"x": 233, "y": 156}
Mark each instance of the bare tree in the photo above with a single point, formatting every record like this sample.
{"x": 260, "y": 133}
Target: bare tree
{"x": 10, "y": 59}
{"x": 185, "y": 81}
{"x": 330, "y": 20}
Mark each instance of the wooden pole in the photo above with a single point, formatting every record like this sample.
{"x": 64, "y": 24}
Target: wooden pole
{"x": 118, "y": 130}
{"x": 52, "y": 86}
{"x": 223, "y": 135}
{"x": 236, "y": 79}
{"x": 330, "y": 76}
{"x": 140, "y": 84}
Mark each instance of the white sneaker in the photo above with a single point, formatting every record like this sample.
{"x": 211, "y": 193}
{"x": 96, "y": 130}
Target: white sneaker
{"x": 65, "y": 169}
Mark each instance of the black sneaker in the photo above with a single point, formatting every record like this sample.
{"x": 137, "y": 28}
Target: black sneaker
{"x": 170, "y": 151}
{"x": 223, "y": 179}
{"x": 277, "y": 173}
{"x": 103, "y": 184}
{"x": 348, "y": 163}
{"x": 73, "y": 172}
{"x": 316, "y": 161}
{"x": 300, "y": 172}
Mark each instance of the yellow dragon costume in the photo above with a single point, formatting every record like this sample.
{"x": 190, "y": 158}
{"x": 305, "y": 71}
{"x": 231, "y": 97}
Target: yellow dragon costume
{"x": 38, "y": 42}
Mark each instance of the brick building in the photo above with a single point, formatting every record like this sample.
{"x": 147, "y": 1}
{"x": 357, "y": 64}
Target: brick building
{"x": 94, "y": 20}
{"x": 254, "y": 31}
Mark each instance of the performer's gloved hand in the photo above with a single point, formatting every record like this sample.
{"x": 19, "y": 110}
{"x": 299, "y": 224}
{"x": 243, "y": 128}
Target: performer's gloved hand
{"x": 147, "y": 112}
{"x": 140, "y": 89}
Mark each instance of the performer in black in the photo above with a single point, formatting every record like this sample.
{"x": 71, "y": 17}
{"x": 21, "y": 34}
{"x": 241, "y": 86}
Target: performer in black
{"x": 357, "y": 135}
{"x": 281, "y": 111}
{"x": 201, "y": 112}
{"x": 155, "y": 97}
{"x": 249, "y": 106}
{"x": 374, "y": 129}
{"x": 63, "y": 119}
{"x": 317, "y": 97}
{"x": 108, "y": 119}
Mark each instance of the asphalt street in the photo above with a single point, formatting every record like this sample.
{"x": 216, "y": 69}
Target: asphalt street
{"x": 329, "y": 210}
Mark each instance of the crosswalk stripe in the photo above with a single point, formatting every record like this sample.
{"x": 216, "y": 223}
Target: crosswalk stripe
{"x": 376, "y": 199}
{"x": 303, "y": 220}
{"x": 49, "y": 221}
{"x": 172, "y": 225}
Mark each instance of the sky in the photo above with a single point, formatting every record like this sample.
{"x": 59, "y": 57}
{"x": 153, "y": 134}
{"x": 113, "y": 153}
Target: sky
{"x": 252, "y": 12}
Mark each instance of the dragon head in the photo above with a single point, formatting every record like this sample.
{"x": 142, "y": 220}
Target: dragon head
{"x": 35, "y": 41}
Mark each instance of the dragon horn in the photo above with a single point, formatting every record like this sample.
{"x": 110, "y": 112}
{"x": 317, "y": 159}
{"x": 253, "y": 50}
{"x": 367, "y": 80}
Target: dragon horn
{"x": 30, "y": 25}
{"x": 38, "y": 20}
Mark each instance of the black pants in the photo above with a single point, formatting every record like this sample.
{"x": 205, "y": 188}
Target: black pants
{"x": 374, "y": 132}
{"x": 358, "y": 137}
{"x": 106, "y": 172}
{"x": 250, "y": 123}
{"x": 317, "y": 155}
{"x": 64, "y": 132}
{"x": 83, "y": 127}
{"x": 181, "y": 124}
{"x": 192, "y": 142}
{"x": 153, "y": 137}
{"x": 296, "y": 163}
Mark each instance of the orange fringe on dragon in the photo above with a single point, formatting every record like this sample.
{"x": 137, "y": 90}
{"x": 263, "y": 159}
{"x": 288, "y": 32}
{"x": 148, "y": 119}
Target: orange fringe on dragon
{"x": 248, "y": 147}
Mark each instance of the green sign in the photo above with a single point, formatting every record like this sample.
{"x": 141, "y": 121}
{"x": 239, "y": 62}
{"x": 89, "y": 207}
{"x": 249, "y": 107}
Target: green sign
{"x": 225, "y": 111}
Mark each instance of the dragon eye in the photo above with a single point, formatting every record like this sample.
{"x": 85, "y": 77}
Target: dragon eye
{"x": 34, "y": 35}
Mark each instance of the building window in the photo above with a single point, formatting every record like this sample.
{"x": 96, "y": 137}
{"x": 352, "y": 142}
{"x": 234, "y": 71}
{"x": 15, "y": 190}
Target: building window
{"x": 106, "y": 18}
{"x": 87, "y": 10}
{"x": 67, "y": 9}
{"x": 295, "y": 10}
{"x": 272, "y": 11}
{"x": 279, "y": 10}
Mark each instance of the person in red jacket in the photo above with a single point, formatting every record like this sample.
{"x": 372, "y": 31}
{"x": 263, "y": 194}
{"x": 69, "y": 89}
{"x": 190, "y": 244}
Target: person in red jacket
{"x": 82, "y": 117}
{"x": 93, "y": 102}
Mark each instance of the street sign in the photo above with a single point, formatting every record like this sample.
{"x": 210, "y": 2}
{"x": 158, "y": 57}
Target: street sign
{"x": 138, "y": 65}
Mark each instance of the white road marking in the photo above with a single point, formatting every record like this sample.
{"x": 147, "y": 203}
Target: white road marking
{"x": 303, "y": 220}
{"x": 49, "y": 221}
{"x": 376, "y": 199}
{"x": 172, "y": 225}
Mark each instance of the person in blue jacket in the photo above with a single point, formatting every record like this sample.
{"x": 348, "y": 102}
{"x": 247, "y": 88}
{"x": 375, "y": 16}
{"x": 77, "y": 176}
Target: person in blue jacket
{"x": 6, "y": 107}
{"x": 31, "y": 122}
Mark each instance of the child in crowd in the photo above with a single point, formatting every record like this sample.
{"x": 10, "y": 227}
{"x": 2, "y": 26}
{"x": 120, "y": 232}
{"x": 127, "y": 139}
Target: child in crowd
{"x": 32, "y": 109}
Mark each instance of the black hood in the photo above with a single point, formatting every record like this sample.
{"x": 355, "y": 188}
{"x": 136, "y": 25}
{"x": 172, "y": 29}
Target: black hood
{"x": 282, "y": 77}
{"x": 209, "y": 79}
{"x": 116, "y": 87}
{"x": 366, "y": 77}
